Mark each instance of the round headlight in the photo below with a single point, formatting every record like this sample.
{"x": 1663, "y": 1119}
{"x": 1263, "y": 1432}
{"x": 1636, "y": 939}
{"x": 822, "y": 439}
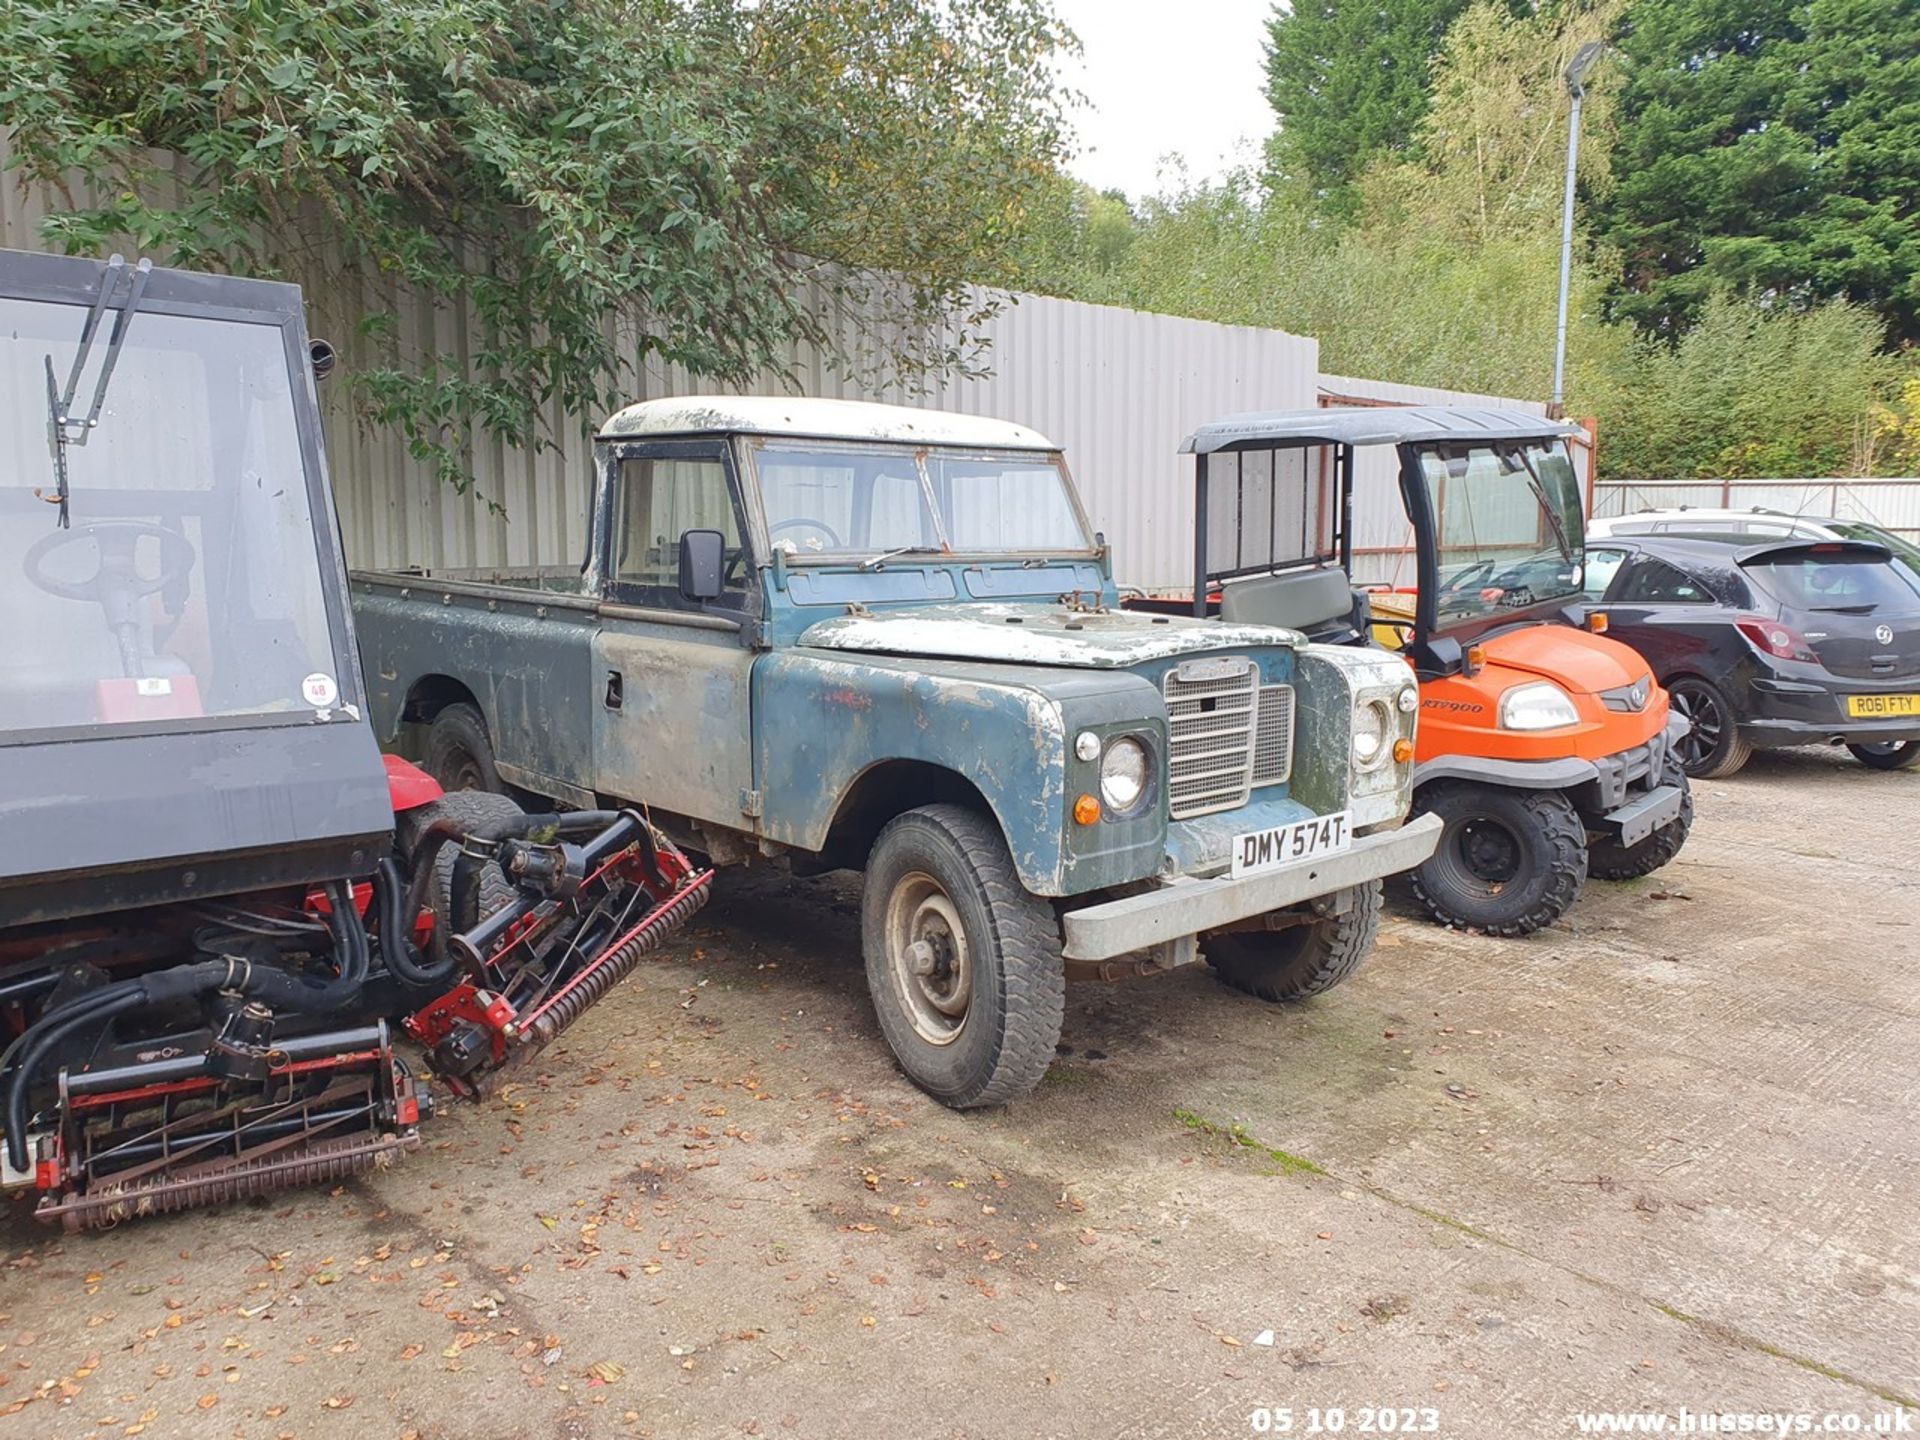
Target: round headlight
{"x": 1372, "y": 733}
{"x": 1124, "y": 772}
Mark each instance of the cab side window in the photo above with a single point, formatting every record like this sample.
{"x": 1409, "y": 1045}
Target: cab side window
{"x": 1602, "y": 566}
{"x": 1654, "y": 582}
{"x": 658, "y": 499}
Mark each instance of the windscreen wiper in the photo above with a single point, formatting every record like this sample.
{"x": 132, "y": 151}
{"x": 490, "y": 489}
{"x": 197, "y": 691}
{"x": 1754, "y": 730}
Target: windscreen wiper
{"x": 1546, "y": 506}
{"x": 62, "y": 429}
{"x": 874, "y": 562}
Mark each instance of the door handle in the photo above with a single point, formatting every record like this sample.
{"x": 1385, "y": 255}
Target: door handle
{"x": 616, "y": 690}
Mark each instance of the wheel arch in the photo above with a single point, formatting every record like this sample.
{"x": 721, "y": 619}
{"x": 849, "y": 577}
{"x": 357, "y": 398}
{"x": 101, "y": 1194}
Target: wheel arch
{"x": 886, "y": 789}
{"x": 431, "y": 694}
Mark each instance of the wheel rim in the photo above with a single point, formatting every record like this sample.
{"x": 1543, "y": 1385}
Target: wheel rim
{"x": 1708, "y": 726}
{"x": 1884, "y": 747}
{"x": 929, "y": 958}
{"x": 464, "y": 773}
{"x": 1481, "y": 856}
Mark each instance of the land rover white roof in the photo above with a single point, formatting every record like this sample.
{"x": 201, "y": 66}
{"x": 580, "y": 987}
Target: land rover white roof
{"x": 818, "y": 419}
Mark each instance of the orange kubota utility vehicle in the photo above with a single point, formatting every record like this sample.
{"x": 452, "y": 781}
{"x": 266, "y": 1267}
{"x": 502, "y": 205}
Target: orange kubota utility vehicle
{"x": 1546, "y": 749}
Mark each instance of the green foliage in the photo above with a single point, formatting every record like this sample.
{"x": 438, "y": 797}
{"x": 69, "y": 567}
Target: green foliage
{"x": 589, "y": 182}
{"x": 1449, "y": 272}
{"x": 1751, "y": 392}
{"x": 1349, "y": 81}
{"x": 1771, "y": 146}
{"x": 1076, "y": 237}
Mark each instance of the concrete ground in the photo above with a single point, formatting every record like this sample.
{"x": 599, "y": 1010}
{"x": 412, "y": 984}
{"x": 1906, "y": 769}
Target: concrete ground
{"x": 1665, "y": 1155}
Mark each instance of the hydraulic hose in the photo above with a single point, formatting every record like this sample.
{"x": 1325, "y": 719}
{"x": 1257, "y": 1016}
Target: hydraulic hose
{"x": 393, "y": 907}
{"x": 47, "y": 1034}
{"x": 463, "y": 901}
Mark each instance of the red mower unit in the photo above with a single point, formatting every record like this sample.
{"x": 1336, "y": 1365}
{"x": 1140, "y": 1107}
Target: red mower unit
{"x": 225, "y": 918}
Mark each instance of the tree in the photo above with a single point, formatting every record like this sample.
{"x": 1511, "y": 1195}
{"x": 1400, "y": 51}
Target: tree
{"x": 1771, "y": 147}
{"x": 594, "y": 181}
{"x": 1349, "y": 81}
{"x": 1750, "y": 391}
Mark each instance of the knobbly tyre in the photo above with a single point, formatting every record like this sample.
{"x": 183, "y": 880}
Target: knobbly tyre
{"x": 884, "y": 639}
{"x": 215, "y": 893}
{"x": 1546, "y": 750}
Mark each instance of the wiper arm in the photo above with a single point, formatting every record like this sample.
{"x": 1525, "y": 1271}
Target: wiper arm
{"x": 1546, "y": 507}
{"x": 63, "y": 429}
{"x": 874, "y": 562}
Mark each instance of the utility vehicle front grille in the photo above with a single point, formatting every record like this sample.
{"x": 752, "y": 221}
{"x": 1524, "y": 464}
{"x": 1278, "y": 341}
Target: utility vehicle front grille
{"x": 1210, "y": 735}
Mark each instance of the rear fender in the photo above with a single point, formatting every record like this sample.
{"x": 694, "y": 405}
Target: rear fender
{"x": 408, "y": 786}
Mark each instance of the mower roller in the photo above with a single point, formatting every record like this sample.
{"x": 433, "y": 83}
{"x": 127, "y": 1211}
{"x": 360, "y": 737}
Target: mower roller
{"x": 226, "y": 919}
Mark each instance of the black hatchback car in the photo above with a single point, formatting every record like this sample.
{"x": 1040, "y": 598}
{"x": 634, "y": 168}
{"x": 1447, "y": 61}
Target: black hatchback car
{"x": 1784, "y": 642}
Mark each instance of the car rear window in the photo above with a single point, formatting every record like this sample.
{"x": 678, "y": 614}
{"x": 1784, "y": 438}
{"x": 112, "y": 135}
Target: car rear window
{"x": 1812, "y": 580}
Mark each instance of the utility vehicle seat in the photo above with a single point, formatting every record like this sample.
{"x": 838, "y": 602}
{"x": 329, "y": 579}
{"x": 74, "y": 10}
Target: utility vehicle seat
{"x": 1320, "y": 603}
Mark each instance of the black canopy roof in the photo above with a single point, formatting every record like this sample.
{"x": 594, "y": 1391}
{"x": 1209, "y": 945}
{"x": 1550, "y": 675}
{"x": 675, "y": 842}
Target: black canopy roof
{"x": 1371, "y": 425}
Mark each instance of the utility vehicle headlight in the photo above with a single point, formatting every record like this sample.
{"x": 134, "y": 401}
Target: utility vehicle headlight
{"x": 1125, "y": 769}
{"x": 1537, "y": 705}
{"x": 1373, "y": 731}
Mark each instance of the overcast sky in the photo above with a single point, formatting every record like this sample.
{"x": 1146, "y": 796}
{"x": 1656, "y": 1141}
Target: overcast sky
{"x": 1167, "y": 76}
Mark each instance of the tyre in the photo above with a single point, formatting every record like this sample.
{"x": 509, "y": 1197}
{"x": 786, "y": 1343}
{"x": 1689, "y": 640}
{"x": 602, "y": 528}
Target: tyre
{"x": 467, "y": 810}
{"x": 1888, "y": 754}
{"x": 964, "y": 965}
{"x": 1302, "y": 960}
{"x": 1610, "y": 860}
{"x": 1712, "y": 749}
{"x": 459, "y": 752}
{"x": 1509, "y": 861}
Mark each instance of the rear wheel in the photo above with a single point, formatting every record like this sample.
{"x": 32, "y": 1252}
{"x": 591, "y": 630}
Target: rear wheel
{"x": 466, "y": 810}
{"x": 1712, "y": 748}
{"x": 1610, "y": 860}
{"x": 459, "y": 751}
{"x": 963, "y": 964}
{"x": 1301, "y": 960}
{"x": 1888, "y": 754}
{"x": 1509, "y": 862}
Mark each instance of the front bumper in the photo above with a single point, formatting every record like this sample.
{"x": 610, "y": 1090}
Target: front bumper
{"x": 1180, "y": 907}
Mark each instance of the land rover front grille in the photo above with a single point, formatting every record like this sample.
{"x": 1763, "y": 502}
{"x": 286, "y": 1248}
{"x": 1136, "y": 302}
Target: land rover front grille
{"x": 1273, "y": 735}
{"x": 1225, "y": 732}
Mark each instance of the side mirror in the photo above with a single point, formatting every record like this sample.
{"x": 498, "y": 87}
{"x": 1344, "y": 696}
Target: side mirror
{"x": 703, "y": 563}
{"x": 321, "y": 355}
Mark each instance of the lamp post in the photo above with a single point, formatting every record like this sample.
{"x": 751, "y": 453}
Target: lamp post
{"x": 1583, "y": 61}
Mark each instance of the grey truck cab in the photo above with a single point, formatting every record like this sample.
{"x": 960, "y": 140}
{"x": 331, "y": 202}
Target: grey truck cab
{"x": 868, "y": 637}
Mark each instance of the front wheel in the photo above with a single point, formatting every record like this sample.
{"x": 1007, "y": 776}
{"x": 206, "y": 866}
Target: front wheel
{"x": 1302, "y": 960}
{"x": 1888, "y": 754}
{"x": 964, "y": 965}
{"x": 1509, "y": 862}
{"x": 1610, "y": 860}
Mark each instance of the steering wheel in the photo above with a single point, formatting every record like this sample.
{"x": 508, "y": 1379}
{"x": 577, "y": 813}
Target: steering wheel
{"x": 804, "y": 522}
{"x": 117, "y": 586}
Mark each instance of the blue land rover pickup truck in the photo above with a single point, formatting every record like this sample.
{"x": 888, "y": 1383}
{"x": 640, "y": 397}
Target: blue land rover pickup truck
{"x": 878, "y": 638}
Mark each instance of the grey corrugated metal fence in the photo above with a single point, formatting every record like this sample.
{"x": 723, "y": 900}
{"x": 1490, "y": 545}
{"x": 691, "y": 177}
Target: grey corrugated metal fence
{"x": 1893, "y": 504}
